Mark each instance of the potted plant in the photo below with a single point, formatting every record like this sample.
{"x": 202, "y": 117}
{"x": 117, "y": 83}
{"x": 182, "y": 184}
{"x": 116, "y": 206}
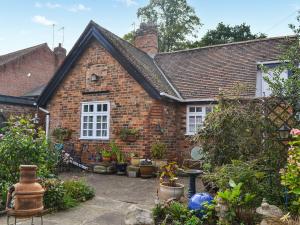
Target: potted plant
{"x": 158, "y": 151}
{"x": 121, "y": 163}
{"x": 114, "y": 150}
{"x": 146, "y": 168}
{"x": 106, "y": 155}
{"x": 61, "y": 134}
{"x": 129, "y": 135}
{"x": 169, "y": 188}
{"x": 134, "y": 159}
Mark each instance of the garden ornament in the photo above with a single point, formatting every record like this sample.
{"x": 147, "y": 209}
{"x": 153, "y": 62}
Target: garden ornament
{"x": 271, "y": 214}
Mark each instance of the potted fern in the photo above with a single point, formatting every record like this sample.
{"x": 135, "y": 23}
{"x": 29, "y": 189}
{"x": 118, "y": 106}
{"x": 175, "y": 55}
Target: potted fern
{"x": 168, "y": 187}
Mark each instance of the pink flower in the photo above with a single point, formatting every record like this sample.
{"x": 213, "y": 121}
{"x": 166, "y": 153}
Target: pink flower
{"x": 295, "y": 132}
{"x": 1, "y": 136}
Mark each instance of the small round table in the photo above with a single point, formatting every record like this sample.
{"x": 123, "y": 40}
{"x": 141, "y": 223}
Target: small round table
{"x": 193, "y": 173}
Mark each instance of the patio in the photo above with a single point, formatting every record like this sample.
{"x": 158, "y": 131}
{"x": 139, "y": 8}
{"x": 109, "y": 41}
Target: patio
{"x": 114, "y": 194}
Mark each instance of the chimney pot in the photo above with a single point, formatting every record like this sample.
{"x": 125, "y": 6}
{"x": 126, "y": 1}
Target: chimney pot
{"x": 146, "y": 38}
{"x": 60, "y": 54}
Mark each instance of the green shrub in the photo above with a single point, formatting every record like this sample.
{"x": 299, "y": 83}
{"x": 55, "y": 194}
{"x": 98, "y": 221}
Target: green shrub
{"x": 159, "y": 213}
{"x": 54, "y": 194}
{"x": 194, "y": 220}
{"x": 63, "y": 195}
{"x": 78, "y": 190}
{"x": 23, "y": 143}
{"x": 237, "y": 200}
{"x": 290, "y": 176}
{"x": 158, "y": 150}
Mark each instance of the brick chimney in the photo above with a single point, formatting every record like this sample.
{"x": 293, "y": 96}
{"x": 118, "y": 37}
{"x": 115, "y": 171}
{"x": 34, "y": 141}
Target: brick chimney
{"x": 146, "y": 38}
{"x": 60, "y": 54}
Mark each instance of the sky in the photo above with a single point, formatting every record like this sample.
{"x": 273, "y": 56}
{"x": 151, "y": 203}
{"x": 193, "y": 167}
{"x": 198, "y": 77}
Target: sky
{"x": 26, "y": 23}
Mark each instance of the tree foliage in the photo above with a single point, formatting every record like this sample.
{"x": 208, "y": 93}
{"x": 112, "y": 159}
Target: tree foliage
{"x": 129, "y": 37}
{"x": 287, "y": 88}
{"x": 176, "y": 20}
{"x": 226, "y": 34}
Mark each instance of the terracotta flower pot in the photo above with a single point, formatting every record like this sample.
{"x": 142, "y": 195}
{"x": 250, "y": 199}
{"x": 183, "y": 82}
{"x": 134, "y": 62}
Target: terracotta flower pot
{"x": 146, "y": 171}
{"x": 131, "y": 138}
{"x": 135, "y": 161}
{"x": 167, "y": 192}
{"x": 106, "y": 159}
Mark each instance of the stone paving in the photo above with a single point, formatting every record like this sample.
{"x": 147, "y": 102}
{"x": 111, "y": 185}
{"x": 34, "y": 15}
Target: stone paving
{"x": 114, "y": 194}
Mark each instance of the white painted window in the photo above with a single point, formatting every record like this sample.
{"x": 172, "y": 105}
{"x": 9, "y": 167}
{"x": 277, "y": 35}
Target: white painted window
{"x": 195, "y": 117}
{"x": 262, "y": 87}
{"x": 95, "y": 120}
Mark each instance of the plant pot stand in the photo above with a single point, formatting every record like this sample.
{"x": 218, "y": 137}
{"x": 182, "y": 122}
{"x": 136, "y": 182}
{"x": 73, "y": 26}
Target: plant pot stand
{"x": 192, "y": 185}
{"x": 104, "y": 168}
{"x": 133, "y": 171}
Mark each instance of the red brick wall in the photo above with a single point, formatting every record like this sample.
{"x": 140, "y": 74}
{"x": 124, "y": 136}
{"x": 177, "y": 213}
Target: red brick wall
{"x": 13, "y": 76}
{"x": 130, "y": 105}
{"x": 8, "y": 110}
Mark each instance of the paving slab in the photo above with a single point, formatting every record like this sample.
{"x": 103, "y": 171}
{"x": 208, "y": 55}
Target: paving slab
{"x": 114, "y": 195}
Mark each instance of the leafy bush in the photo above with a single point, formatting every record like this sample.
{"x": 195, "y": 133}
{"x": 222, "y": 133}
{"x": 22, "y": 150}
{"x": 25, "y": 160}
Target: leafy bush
{"x": 237, "y": 200}
{"x": 78, "y": 190}
{"x": 241, "y": 172}
{"x": 176, "y": 213}
{"x": 63, "y": 195}
{"x": 158, "y": 150}
{"x": 23, "y": 143}
{"x": 54, "y": 195}
{"x": 290, "y": 176}
{"x": 232, "y": 131}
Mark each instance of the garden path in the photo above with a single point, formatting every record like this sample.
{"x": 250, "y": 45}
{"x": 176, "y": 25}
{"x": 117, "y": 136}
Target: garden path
{"x": 114, "y": 194}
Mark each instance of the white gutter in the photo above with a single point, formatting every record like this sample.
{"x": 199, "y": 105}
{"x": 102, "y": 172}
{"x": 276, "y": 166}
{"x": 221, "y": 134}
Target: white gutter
{"x": 171, "y": 85}
{"x": 189, "y": 99}
{"x": 271, "y": 62}
{"x": 47, "y": 120}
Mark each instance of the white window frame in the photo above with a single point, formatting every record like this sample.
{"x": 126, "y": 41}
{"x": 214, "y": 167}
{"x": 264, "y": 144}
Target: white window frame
{"x": 95, "y": 114}
{"x": 203, "y": 114}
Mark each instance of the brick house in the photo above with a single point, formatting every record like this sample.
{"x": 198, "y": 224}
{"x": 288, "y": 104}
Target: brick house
{"x": 106, "y": 84}
{"x": 23, "y": 76}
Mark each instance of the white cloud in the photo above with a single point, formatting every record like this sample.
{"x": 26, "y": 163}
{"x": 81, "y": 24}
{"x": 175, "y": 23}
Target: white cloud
{"x": 79, "y": 7}
{"x": 47, "y": 5}
{"x": 52, "y": 5}
{"x": 43, "y": 20}
{"x": 129, "y": 2}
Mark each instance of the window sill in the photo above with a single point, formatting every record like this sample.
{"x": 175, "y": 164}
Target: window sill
{"x": 93, "y": 139}
{"x": 189, "y": 134}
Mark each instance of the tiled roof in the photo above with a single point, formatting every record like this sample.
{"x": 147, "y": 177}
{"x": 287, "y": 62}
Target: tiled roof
{"x": 201, "y": 73}
{"x": 35, "y": 92}
{"x": 15, "y": 55}
{"x": 141, "y": 60}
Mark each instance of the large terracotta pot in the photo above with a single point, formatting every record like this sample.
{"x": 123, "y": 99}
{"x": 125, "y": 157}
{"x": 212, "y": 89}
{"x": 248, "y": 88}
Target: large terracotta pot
{"x": 27, "y": 195}
{"x": 146, "y": 171}
{"x": 167, "y": 192}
